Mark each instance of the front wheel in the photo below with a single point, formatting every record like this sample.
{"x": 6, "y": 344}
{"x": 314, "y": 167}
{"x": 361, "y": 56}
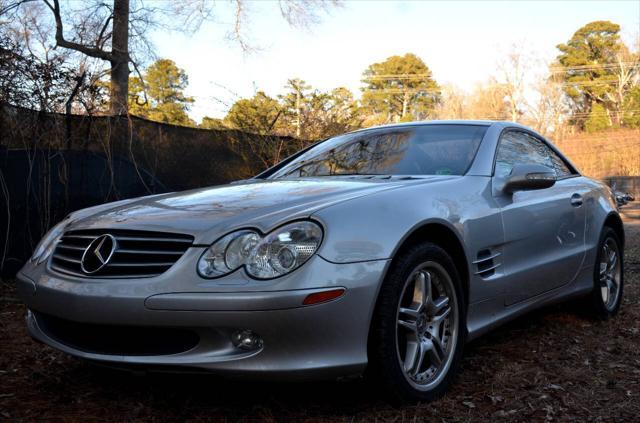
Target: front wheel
{"x": 606, "y": 296}
{"x": 418, "y": 332}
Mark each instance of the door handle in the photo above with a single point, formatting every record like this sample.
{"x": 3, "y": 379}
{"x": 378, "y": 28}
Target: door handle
{"x": 576, "y": 200}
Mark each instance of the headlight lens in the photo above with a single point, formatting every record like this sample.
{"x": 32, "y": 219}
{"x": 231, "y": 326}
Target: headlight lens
{"x": 264, "y": 257}
{"x": 48, "y": 243}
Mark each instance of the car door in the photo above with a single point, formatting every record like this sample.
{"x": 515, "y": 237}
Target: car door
{"x": 544, "y": 228}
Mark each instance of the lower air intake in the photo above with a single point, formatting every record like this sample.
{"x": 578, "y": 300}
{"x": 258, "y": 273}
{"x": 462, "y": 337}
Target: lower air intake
{"x": 117, "y": 340}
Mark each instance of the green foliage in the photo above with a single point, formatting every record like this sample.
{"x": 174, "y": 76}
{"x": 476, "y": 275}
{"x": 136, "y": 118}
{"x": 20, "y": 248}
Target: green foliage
{"x": 330, "y": 113}
{"x": 399, "y": 89}
{"x": 258, "y": 114}
{"x": 402, "y": 89}
{"x": 338, "y": 113}
{"x": 598, "y": 119}
{"x": 585, "y": 56}
{"x": 302, "y": 112}
{"x": 164, "y": 85}
{"x": 632, "y": 108}
{"x": 212, "y": 123}
{"x": 296, "y": 88}
{"x": 292, "y": 104}
{"x": 313, "y": 114}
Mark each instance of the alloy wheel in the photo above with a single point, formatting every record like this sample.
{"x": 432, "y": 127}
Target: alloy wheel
{"x": 427, "y": 325}
{"x": 610, "y": 273}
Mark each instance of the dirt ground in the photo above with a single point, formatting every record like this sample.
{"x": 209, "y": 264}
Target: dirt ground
{"x": 555, "y": 364}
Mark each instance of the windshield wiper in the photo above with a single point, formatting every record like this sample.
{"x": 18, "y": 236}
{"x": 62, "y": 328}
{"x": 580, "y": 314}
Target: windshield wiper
{"x": 354, "y": 174}
{"x": 379, "y": 176}
{"x": 362, "y": 175}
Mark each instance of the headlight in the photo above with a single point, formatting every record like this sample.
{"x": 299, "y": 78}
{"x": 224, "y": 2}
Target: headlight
{"x": 264, "y": 257}
{"x": 48, "y": 243}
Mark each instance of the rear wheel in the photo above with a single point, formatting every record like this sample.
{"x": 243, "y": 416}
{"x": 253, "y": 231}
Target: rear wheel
{"x": 606, "y": 296}
{"x": 418, "y": 331}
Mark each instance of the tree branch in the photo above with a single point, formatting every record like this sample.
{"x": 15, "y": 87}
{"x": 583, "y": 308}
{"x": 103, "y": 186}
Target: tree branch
{"x": 238, "y": 32}
{"x": 12, "y": 6}
{"x": 60, "y": 41}
{"x": 144, "y": 86}
{"x": 99, "y": 41}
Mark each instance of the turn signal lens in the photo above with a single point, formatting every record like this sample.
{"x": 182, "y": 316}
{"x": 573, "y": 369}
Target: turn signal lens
{"x": 324, "y": 296}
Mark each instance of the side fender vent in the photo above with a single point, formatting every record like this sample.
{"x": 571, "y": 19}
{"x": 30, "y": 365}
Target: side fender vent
{"x": 487, "y": 262}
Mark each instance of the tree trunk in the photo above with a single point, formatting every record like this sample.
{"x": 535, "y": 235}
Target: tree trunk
{"x": 405, "y": 104}
{"x": 120, "y": 58}
{"x": 298, "y": 123}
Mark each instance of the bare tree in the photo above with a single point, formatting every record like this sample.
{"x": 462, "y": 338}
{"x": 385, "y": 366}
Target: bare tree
{"x": 116, "y": 31}
{"x": 512, "y": 76}
{"x": 44, "y": 74}
{"x": 627, "y": 75}
{"x": 550, "y": 110}
{"x": 114, "y": 28}
{"x": 454, "y": 104}
{"x": 487, "y": 101}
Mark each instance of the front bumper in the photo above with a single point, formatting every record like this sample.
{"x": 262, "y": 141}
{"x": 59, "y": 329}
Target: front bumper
{"x": 325, "y": 340}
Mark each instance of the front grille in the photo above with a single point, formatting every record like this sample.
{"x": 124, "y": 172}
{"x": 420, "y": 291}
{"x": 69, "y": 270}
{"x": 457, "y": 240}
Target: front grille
{"x": 117, "y": 340}
{"x": 138, "y": 254}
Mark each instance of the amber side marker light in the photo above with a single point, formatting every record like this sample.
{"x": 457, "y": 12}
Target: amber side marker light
{"x": 324, "y": 296}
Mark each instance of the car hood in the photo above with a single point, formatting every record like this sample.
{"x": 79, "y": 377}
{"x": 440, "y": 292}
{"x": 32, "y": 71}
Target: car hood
{"x": 208, "y": 213}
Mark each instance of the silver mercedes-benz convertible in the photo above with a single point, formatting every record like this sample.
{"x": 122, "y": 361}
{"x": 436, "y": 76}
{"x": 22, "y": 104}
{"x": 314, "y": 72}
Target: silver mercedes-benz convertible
{"x": 385, "y": 249}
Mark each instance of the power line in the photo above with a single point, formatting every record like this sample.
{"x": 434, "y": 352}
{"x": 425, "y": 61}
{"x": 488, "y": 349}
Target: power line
{"x": 402, "y": 90}
{"x": 562, "y": 69}
{"x": 604, "y": 113}
{"x": 589, "y": 83}
{"x": 553, "y": 69}
{"x": 497, "y": 84}
{"x": 399, "y": 76}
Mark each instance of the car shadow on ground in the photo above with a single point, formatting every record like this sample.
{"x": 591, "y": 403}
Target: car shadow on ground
{"x": 327, "y": 398}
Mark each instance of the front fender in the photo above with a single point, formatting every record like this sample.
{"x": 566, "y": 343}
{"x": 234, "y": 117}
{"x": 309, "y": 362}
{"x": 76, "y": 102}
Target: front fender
{"x": 373, "y": 227}
{"x": 601, "y": 204}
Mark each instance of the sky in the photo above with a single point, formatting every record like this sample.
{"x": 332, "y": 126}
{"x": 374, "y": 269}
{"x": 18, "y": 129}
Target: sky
{"x": 460, "y": 41}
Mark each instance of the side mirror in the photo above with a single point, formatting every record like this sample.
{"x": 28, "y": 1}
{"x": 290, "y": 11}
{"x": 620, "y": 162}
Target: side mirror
{"x": 525, "y": 177}
{"x": 622, "y": 198}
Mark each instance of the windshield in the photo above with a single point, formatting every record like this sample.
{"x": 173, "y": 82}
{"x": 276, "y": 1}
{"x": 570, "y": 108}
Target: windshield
{"x": 443, "y": 149}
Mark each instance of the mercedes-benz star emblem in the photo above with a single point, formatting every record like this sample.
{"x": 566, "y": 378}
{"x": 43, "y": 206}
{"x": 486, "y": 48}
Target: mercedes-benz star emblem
{"x": 98, "y": 253}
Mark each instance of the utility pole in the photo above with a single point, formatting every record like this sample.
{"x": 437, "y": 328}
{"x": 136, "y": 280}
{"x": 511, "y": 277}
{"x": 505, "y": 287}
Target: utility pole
{"x": 405, "y": 103}
{"x": 298, "y": 131}
{"x": 297, "y": 85}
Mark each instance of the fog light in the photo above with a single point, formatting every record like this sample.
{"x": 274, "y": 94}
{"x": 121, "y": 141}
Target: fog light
{"x": 246, "y": 340}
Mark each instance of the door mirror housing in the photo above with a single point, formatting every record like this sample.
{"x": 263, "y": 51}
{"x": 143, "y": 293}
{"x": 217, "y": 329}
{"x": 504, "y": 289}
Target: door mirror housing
{"x": 526, "y": 177}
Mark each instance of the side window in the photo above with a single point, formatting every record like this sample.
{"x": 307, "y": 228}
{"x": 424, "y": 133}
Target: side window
{"x": 520, "y": 148}
{"x": 561, "y": 168}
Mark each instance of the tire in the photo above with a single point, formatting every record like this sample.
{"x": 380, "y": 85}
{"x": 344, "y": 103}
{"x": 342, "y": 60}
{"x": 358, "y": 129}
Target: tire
{"x": 420, "y": 307}
{"x": 605, "y": 276}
